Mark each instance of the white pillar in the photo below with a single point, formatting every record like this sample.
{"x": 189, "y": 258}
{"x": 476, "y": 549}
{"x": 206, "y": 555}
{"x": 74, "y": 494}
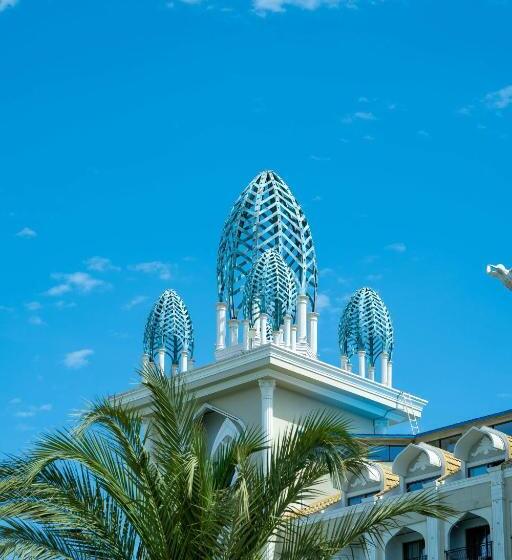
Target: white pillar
{"x": 174, "y": 369}
{"x": 145, "y": 360}
{"x": 434, "y": 544}
{"x": 362, "y": 362}
{"x": 293, "y": 338}
{"x": 390, "y": 374}
{"x": 384, "y": 368}
{"x": 302, "y": 313}
{"x": 287, "y": 330}
{"x": 221, "y": 325}
{"x": 344, "y": 362}
{"x": 267, "y": 387}
{"x": 252, "y": 338}
{"x": 371, "y": 373}
{"x": 263, "y": 327}
{"x": 275, "y": 337}
{"x": 233, "y": 332}
{"x": 184, "y": 360}
{"x": 500, "y": 544}
{"x": 191, "y": 364}
{"x": 313, "y": 332}
{"x": 245, "y": 334}
{"x": 161, "y": 358}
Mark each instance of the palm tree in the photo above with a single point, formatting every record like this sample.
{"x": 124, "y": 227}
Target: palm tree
{"x": 116, "y": 488}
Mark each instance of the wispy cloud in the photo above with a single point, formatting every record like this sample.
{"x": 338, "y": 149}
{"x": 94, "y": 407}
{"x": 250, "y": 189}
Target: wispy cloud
{"x": 374, "y": 277}
{"x": 398, "y": 247}
{"x": 36, "y": 320}
{"x": 81, "y": 282}
{"x": 101, "y": 264}
{"x": 499, "y": 99}
{"x": 33, "y": 410}
{"x": 78, "y": 359}
{"x": 323, "y": 302}
{"x": 33, "y": 305}
{"x": 359, "y": 116}
{"x": 423, "y": 133}
{"x": 157, "y": 268}
{"x": 4, "y": 4}
{"x": 15, "y": 401}
{"x": 26, "y": 232}
{"x": 137, "y": 300}
{"x": 6, "y": 309}
{"x": 263, "y": 6}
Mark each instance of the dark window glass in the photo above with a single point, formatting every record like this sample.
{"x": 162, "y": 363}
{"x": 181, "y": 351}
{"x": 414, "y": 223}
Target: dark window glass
{"x": 481, "y": 469}
{"x": 385, "y": 453}
{"x": 448, "y": 443}
{"x": 353, "y": 500}
{"x": 419, "y": 484}
{"x": 414, "y": 550}
{"x": 505, "y": 427}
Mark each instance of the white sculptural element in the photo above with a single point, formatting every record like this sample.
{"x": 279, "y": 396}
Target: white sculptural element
{"x": 503, "y": 274}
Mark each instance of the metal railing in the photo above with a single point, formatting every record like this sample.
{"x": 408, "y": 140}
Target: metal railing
{"x": 479, "y": 552}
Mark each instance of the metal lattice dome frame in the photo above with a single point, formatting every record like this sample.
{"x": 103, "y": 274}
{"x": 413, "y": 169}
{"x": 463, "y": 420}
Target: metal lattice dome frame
{"x": 271, "y": 288}
{"x": 169, "y": 327}
{"x": 265, "y": 216}
{"x": 366, "y": 325}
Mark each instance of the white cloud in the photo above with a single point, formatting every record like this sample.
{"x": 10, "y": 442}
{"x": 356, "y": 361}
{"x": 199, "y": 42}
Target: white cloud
{"x": 33, "y": 410}
{"x": 4, "y": 4}
{"x": 100, "y": 264}
{"x": 33, "y": 305}
{"x": 374, "y": 277}
{"x": 14, "y": 401}
{"x": 78, "y": 358}
{"x": 6, "y": 309}
{"x": 423, "y": 133}
{"x": 500, "y": 99}
{"x": 25, "y": 414}
{"x": 360, "y": 116}
{"x": 263, "y": 6}
{"x": 26, "y": 232}
{"x": 161, "y": 269}
{"x": 36, "y": 320}
{"x": 137, "y": 300}
{"x": 323, "y": 301}
{"x": 368, "y": 137}
{"x": 76, "y": 281}
{"x": 398, "y": 247}
{"x": 61, "y": 304}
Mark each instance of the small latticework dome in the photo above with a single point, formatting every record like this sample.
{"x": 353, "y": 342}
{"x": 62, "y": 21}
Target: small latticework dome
{"x": 271, "y": 288}
{"x": 366, "y": 325}
{"x": 265, "y": 216}
{"x": 169, "y": 327}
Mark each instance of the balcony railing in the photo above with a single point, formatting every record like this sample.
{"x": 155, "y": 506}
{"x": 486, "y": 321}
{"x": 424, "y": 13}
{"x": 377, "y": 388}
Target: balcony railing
{"x": 479, "y": 552}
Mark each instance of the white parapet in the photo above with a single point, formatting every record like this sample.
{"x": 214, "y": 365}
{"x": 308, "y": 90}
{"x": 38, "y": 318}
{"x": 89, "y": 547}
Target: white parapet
{"x": 233, "y": 332}
{"x": 362, "y": 363}
{"x": 371, "y": 373}
{"x": 275, "y": 337}
{"x": 384, "y": 361}
{"x": 302, "y": 317}
{"x": 293, "y": 338}
{"x": 313, "y": 332}
{"x": 221, "y": 325}
{"x": 344, "y": 362}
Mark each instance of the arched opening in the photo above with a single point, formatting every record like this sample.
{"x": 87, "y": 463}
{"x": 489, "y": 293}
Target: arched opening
{"x": 470, "y": 539}
{"x": 219, "y": 426}
{"x": 406, "y": 545}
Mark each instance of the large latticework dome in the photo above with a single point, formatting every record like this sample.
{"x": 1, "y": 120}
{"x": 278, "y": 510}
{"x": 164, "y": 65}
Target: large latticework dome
{"x": 265, "y": 216}
{"x": 366, "y": 325}
{"x": 169, "y": 327}
{"x": 271, "y": 289}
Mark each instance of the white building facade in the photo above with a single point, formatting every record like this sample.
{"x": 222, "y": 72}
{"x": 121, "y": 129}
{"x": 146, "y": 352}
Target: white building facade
{"x": 266, "y": 372}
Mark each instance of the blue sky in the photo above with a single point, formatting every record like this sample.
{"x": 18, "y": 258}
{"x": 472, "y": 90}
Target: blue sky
{"x": 127, "y": 130}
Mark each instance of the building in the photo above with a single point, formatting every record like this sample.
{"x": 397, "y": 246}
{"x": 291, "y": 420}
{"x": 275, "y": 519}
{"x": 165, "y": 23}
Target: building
{"x": 266, "y": 372}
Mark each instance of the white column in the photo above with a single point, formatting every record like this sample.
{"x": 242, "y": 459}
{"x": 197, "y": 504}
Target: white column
{"x": 302, "y": 313}
{"x": 384, "y": 368}
{"x": 390, "y": 374}
{"x": 233, "y": 332}
{"x": 344, "y": 362}
{"x": 371, "y": 373}
{"x": 267, "y": 387}
{"x": 221, "y": 325}
{"x": 275, "y": 337}
{"x": 362, "y": 362}
{"x": 349, "y": 366}
{"x": 161, "y": 358}
{"x": 174, "y": 369}
{"x": 252, "y": 338}
{"x": 245, "y": 334}
{"x": 435, "y": 548}
{"x": 145, "y": 360}
{"x": 184, "y": 360}
{"x": 287, "y": 331}
{"x": 191, "y": 364}
{"x": 293, "y": 338}
{"x": 263, "y": 328}
{"x": 500, "y": 544}
{"x": 313, "y": 332}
